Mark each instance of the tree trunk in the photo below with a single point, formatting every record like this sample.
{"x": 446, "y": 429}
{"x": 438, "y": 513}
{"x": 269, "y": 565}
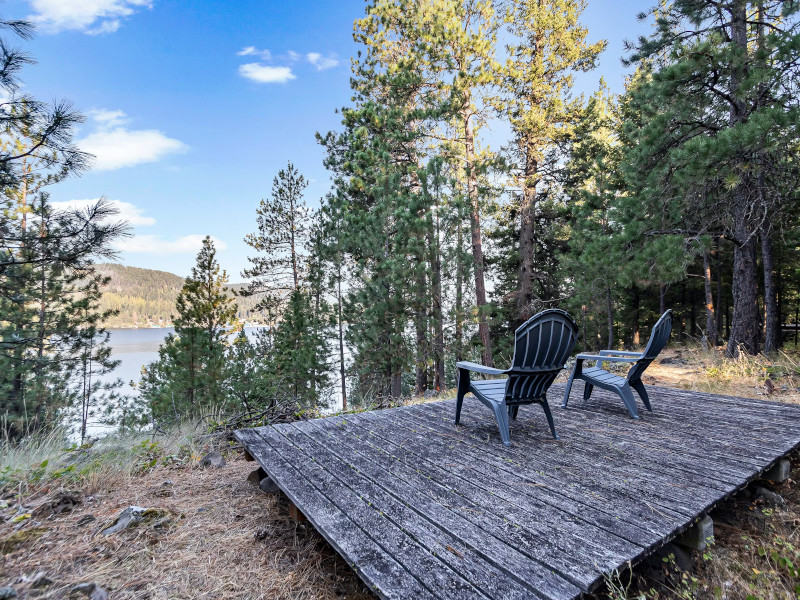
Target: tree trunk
{"x": 662, "y": 299}
{"x": 436, "y": 307}
{"x": 711, "y": 317}
{"x": 527, "y": 210}
{"x": 610, "y": 316}
{"x": 458, "y": 334}
{"x": 341, "y": 336}
{"x": 421, "y": 362}
{"x": 772, "y": 334}
{"x": 477, "y": 247}
{"x": 744, "y": 327}
{"x": 744, "y": 324}
{"x": 718, "y": 252}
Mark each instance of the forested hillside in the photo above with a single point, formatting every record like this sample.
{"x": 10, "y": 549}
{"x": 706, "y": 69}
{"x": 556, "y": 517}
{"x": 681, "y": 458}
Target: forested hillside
{"x": 146, "y": 297}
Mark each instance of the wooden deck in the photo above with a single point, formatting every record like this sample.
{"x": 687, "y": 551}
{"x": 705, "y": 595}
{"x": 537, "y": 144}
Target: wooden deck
{"x": 422, "y": 508}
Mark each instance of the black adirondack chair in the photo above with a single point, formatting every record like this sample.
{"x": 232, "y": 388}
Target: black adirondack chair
{"x": 597, "y": 376}
{"x": 542, "y": 345}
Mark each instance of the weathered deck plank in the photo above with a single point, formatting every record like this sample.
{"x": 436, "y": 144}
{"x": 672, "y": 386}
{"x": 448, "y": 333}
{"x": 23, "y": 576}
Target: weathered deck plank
{"x": 423, "y": 508}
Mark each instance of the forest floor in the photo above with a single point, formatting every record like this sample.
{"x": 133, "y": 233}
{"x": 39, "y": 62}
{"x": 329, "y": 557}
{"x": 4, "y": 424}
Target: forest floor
{"x": 213, "y": 534}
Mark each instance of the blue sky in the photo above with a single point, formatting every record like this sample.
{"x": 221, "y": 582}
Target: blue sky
{"x": 193, "y": 106}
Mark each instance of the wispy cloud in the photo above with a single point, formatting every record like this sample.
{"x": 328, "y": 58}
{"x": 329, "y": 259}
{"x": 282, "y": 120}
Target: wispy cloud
{"x": 125, "y": 210}
{"x": 89, "y": 16}
{"x": 253, "y": 51}
{"x": 265, "y": 73}
{"x": 322, "y": 62}
{"x": 151, "y": 244}
{"x": 115, "y": 146}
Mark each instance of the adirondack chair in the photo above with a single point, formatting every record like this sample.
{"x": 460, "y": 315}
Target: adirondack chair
{"x": 542, "y": 345}
{"x": 597, "y": 376}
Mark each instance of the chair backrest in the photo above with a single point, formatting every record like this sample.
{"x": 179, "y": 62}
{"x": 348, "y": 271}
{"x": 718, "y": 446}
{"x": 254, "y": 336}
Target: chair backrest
{"x": 541, "y": 347}
{"x": 658, "y": 339}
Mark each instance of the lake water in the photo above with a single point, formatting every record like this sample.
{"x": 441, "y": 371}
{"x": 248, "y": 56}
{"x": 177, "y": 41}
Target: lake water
{"x": 135, "y": 348}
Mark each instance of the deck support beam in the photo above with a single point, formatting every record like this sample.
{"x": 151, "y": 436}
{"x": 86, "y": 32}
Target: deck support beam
{"x": 698, "y": 535}
{"x": 779, "y": 472}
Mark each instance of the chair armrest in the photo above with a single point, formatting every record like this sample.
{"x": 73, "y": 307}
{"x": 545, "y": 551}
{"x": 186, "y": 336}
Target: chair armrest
{"x": 620, "y": 353}
{"x": 600, "y": 358}
{"x": 475, "y": 367}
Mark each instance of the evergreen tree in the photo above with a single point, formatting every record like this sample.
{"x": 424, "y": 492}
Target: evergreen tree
{"x": 189, "y": 376}
{"x": 720, "y": 115}
{"x": 283, "y": 232}
{"x": 548, "y": 46}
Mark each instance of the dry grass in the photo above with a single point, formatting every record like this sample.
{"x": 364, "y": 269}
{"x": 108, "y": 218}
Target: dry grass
{"x": 226, "y": 539}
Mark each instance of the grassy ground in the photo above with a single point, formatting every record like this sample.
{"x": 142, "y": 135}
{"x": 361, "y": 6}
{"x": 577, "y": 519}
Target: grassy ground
{"x": 217, "y": 536}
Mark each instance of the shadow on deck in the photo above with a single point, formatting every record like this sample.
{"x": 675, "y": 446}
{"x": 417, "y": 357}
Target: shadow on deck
{"x": 422, "y": 508}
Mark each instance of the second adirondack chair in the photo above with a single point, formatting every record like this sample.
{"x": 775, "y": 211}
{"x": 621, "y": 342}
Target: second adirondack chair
{"x": 597, "y": 376}
{"x": 542, "y": 345}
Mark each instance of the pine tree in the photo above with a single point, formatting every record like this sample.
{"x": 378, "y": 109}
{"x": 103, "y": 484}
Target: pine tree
{"x": 283, "y": 232}
{"x": 189, "y": 376}
{"x": 720, "y": 116}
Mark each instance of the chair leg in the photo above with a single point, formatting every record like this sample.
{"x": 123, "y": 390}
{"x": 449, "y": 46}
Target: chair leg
{"x": 501, "y": 415}
{"x": 549, "y": 416}
{"x": 587, "y": 391}
{"x": 630, "y": 402}
{"x": 639, "y": 387}
{"x": 463, "y": 388}
{"x": 512, "y": 412}
{"x": 569, "y": 387}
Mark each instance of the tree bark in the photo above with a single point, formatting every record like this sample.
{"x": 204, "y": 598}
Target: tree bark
{"x": 436, "y": 307}
{"x": 341, "y": 336}
{"x": 744, "y": 327}
{"x": 610, "y": 316}
{"x": 711, "y": 317}
{"x": 527, "y": 210}
{"x": 772, "y": 334}
{"x": 477, "y": 247}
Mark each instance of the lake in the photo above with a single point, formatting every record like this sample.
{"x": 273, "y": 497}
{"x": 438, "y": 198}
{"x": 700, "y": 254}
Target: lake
{"x": 135, "y": 348}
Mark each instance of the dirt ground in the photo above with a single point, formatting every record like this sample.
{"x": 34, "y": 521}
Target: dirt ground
{"x": 221, "y": 538}
{"x": 216, "y": 535}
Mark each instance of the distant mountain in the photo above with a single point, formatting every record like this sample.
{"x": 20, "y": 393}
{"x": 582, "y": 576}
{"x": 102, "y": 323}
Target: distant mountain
{"x": 146, "y": 297}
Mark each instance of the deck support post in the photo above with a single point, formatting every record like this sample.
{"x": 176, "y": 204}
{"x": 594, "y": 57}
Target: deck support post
{"x": 294, "y": 512}
{"x": 247, "y": 456}
{"x": 697, "y": 536}
{"x": 779, "y": 472}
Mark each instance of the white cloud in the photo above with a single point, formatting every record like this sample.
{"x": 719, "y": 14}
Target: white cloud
{"x": 90, "y": 16}
{"x": 115, "y": 146}
{"x": 253, "y": 51}
{"x": 321, "y": 62}
{"x": 125, "y": 210}
{"x": 151, "y": 244}
{"x": 293, "y": 56}
{"x": 265, "y": 73}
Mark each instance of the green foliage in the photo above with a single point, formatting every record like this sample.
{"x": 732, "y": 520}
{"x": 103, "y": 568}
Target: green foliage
{"x": 188, "y": 378}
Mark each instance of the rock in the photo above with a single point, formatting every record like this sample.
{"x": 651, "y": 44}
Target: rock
{"x": 85, "y": 520}
{"x": 62, "y": 501}
{"x": 127, "y": 518}
{"x": 213, "y": 459}
{"x": 676, "y": 360}
{"x": 769, "y": 497}
{"x": 41, "y": 580}
{"x": 7, "y": 593}
{"x": 18, "y": 538}
{"x": 88, "y": 590}
{"x": 256, "y": 476}
{"x": 157, "y": 518}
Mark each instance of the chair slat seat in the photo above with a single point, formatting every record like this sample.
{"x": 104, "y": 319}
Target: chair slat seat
{"x": 597, "y": 376}
{"x": 603, "y": 375}
{"x": 541, "y": 347}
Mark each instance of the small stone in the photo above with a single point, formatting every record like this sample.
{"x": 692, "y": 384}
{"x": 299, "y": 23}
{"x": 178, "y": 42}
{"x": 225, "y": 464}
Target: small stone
{"x": 88, "y": 590}
{"x": 41, "y": 580}
{"x": 7, "y": 593}
{"x": 213, "y": 459}
{"x": 769, "y": 497}
{"x": 85, "y": 520}
{"x": 168, "y": 482}
{"x": 128, "y": 517}
{"x": 62, "y": 501}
